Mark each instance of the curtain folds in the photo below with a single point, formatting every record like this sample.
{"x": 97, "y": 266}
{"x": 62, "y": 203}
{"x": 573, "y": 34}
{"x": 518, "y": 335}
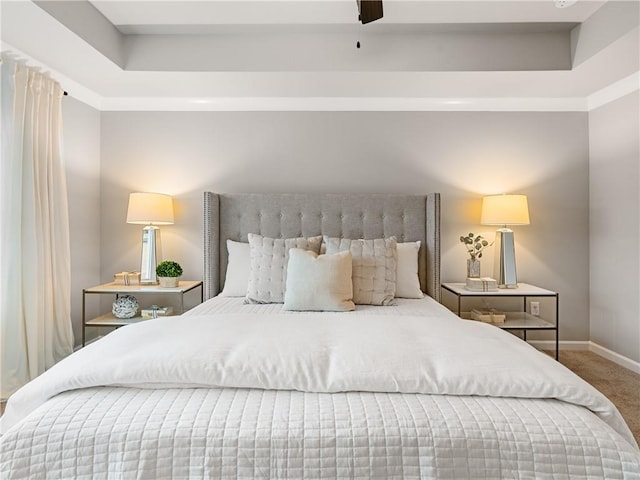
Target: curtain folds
{"x": 35, "y": 318}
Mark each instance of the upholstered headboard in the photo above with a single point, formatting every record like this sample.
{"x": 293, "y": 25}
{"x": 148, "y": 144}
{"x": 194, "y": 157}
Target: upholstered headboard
{"x": 407, "y": 217}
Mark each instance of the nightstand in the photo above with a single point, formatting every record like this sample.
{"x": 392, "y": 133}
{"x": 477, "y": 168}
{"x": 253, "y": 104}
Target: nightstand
{"x": 518, "y": 316}
{"x": 109, "y": 320}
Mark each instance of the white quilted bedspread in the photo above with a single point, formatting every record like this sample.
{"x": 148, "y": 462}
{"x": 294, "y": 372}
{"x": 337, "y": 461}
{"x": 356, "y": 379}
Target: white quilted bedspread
{"x": 112, "y": 432}
{"x": 470, "y": 401}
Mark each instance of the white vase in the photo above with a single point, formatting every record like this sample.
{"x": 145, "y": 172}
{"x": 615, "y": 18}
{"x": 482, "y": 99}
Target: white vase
{"x": 168, "y": 282}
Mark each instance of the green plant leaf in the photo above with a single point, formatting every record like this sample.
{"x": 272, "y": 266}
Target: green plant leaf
{"x": 168, "y": 268}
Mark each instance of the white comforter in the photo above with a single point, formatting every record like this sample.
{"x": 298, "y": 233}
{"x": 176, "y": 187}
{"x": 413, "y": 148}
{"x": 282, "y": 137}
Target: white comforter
{"x": 317, "y": 353}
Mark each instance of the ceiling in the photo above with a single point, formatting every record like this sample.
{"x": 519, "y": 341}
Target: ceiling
{"x": 302, "y": 54}
{"x": 139, "y": 17}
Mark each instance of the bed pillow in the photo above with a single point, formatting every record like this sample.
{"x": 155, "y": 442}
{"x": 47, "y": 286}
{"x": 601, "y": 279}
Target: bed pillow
{"x": 374, "y": 268}
{"x": 318, "y": 282}
{"x": 238, "y": 270}
{"x": 407, "y": 281}
{"x": 269, "y": 257}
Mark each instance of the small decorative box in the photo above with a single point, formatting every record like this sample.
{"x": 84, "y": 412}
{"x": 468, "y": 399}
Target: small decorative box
{"x": 488, "y": 316}
{"x": 484, "y": 284}
{"x": 155, "y": 311}
{"x": 127, "y": 278}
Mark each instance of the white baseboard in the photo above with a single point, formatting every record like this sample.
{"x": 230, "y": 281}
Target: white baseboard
{"x": 592, "y": 347}
{"x": 615, "y": 357}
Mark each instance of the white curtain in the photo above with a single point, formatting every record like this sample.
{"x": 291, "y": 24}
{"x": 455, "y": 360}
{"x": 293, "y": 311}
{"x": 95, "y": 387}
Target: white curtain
{"x": 35, "y": 317}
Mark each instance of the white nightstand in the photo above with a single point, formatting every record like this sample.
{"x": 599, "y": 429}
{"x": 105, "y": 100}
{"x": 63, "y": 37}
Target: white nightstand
{"x": 109, "y": 320}
{"x": 521, "y": 319}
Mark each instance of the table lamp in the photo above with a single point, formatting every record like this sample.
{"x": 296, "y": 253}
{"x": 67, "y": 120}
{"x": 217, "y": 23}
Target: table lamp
{"x": 150, "y": 209}
{"x": 505, "y": 210}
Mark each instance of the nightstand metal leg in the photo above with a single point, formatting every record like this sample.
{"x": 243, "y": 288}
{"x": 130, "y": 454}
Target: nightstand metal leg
{"x": 557, "y": 326}
{"x": 84, "y": 296}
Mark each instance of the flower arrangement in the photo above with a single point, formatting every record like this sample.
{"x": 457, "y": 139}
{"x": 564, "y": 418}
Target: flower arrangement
{"x": 475, "y": 244}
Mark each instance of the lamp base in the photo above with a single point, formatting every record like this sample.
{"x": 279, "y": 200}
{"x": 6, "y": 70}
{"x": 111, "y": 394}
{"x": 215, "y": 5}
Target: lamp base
{"x": 150, "y": 255}
{"x": 504, "y": 266}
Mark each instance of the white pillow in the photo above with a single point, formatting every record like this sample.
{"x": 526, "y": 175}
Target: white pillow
{"x": 407, "y": 281}
{"x": 374, "y": 268}
{"x": 318, "y": 282}
{"x": 269, "y": 258}
{"x": 238, "y": 269}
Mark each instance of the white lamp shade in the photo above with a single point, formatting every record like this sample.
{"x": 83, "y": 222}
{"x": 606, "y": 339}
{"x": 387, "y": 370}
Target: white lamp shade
{"x": 150, "y": 209}
{"x": 505, "y": 210}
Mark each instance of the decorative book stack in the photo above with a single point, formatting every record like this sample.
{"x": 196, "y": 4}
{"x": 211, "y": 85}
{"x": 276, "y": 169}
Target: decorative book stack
{"x": 488, "y": 316}
{"x": 127, "y": 278}
{"x": 484, "y": 284}
{"x": 154, "y": 312}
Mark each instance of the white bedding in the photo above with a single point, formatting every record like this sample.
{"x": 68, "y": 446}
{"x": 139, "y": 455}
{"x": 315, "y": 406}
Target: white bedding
{"x": 481, "y": 423}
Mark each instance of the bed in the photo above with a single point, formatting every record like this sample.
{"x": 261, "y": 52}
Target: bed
{"x": 237, "y": 390}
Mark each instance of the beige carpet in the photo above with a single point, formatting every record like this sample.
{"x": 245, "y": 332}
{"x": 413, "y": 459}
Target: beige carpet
{"x": 618, "y": 384}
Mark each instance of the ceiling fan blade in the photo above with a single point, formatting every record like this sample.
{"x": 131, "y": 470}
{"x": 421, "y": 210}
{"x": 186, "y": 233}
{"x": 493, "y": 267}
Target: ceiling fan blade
{"x": 369, "y": 10}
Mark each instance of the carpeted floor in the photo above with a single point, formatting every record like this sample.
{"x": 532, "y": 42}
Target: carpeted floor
{"x": 620, "y": 385}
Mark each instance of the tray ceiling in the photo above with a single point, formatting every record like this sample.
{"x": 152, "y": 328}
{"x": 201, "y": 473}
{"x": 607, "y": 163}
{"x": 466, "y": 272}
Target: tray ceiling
{"x": 235, "y": 54}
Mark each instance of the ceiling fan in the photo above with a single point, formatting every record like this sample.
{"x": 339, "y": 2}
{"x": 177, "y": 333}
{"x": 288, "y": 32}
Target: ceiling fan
{"x": 369, "y": 10}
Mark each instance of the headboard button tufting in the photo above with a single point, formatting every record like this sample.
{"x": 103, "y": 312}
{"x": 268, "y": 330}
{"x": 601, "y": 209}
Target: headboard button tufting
{"x": 408, "y": 217}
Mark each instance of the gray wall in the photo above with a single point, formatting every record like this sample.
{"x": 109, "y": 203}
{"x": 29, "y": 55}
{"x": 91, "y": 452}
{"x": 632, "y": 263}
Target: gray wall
{"x": 614, "y": 233}
{"x": 463, "y": 155}
{"x": 81, "y": 125}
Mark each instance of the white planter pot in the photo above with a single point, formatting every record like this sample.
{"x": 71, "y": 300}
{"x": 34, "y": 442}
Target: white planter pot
{"x": 168, "y": 282}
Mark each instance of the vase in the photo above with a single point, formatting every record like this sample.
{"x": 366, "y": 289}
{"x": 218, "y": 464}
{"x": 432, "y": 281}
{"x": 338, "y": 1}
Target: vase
{"x": 473, "y": 268}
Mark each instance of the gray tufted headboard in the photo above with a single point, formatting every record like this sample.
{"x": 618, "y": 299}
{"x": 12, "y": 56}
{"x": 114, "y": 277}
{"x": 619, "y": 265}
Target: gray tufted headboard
{"x": 407, "y": 217}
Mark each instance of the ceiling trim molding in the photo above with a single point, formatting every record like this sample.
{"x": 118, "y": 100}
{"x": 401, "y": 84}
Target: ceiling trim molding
{"x": 614, "y": 91}
{"x": 73, "y": 88}
{"x": 602, "y": 97}
{"x": 361, "y": 104}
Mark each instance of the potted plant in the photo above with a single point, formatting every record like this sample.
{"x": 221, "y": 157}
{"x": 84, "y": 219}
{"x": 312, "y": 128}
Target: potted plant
{"x": 475, "y": 244}
{"x": 168, "y": 273}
